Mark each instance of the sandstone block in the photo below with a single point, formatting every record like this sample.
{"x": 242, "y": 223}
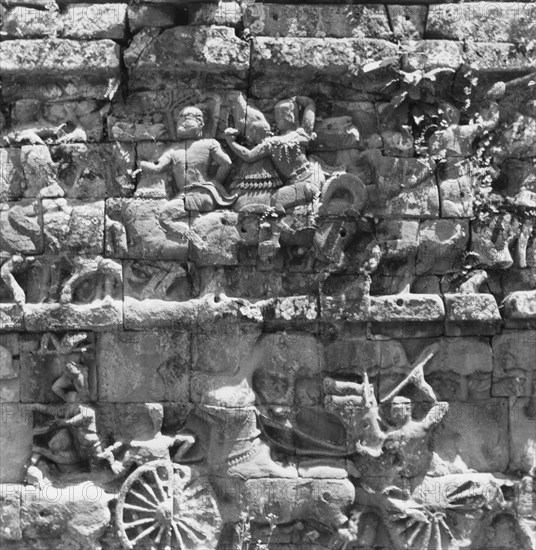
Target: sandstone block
{"x": 433, "y": 54}
{"x": 21, "y": 227}
{"x": 143, "y": 366}
{"x": 498, "y": 57}
{"x": 40, "y": 368}
{"x": 471, "y": 314}
{"x": 150, "y": 15}
{"x": 514, "y": 364}
{"x": 40, "y": 172}
{"x": 317, "y": 21}
{"x": 10, "y": 499}
{"x": 9, "y": 367}
{"x": 147, "y": 229}
{"x": 11, "y": 174}
{"x": 93, "y": 21}
{"x": 484, "y": 21}
{"x": 461, "y": 370}
{"x": 522, "y": 435}
{"x": 74, "y": 226}
{"x": 408, "y": 21}
{"x": 214, "y": 239}
{"x": 442, "y": 245}
{"x": 99, "y": 315}
{"x": 520, "y": 309}
{"x": 419, "y": 314}
{"x": 95, "y": 171}
{"x": 205, "y": 51}
{"x": 456, "y": 189}
{"x": 61, "y": 57}
{"x": 16, "y": 438}
{"x": 474, "y": 435}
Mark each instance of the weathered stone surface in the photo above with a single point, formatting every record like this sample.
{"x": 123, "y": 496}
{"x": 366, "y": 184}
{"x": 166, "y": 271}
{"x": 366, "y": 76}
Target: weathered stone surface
{"x": 474, "y": 435}
{"x": 10, "y": 497}
{"x": 99, "y": 315}
{"x": 214, "y": 239}
{"x": 61, "y": 57}
{"x": 514, "y": 360}
{"x": 40, "y": 173}
{"x": 11, "y": 175}
{"x": 11, "y": 317}
{"x": 40, "y": 368}
{"x": 456, "y": 189}
{"x": 74, "y": 226}
{"x": 9, "y": 367}
{"x": 483, "y": 21}
{"x": 408, "y": 21}
{"x": 471, "y": 314}
{"x": 442, "y": 245}
{"x": 93, "y": 21}
{"x": 141, "y": 367}
{"x": 15, "y": 442}
{"x": 302, "y": 60}
{"x": 496, "y": 57}
{"x": 95, "y": 171}
{"x": 147, "y": 229}
{"x": 150, "y": 15}
{"x": 461, "y": 369}
{"x": 51, "y": 86}
{"x": 406, "y": 314}
{"x": 432, "y": 54}
{"x": 403, "y": 188}
{"x": 520, "y": 309}
{"x": 309, "y": 499}
{"x": 21, "y": 224}
{"x": 77, "y": 21}
{"x": 227, "y": 13}
{"x": 522, "y": 439}
{"x": 208, "y": 51}
{"x": 76, "y": 516}
{"x": 318, "y": 21}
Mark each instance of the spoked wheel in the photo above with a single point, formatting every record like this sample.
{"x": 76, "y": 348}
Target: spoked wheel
{"x": 165, "y": 508}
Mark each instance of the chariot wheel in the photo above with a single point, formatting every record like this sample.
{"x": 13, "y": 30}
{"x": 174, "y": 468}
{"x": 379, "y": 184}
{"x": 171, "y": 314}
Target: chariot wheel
{"x": 162, "y": 506}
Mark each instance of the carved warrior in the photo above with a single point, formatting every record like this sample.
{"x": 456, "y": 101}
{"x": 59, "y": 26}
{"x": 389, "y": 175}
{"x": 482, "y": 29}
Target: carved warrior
{"x": 295, "y": 180}
{"x": 190, "y": 160}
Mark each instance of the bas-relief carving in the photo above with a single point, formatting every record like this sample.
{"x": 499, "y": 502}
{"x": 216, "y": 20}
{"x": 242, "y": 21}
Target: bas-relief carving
{"x": 276, "y": 425}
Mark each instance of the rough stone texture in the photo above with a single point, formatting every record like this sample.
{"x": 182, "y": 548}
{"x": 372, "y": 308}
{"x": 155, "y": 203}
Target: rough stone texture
{"x": 209, "y": 51}
{"x": 131, "y": 353}
{"x": 15, "y": 442}
{"x": 442, "y": 244}
{"x": 471, "y": 314}
{"x": 483, "y": 21}
{"x": 329, "y": 339}
{"x": 474, "y": 436}
{"x": 61, "y": 57}
{"x": 317, "y": 21}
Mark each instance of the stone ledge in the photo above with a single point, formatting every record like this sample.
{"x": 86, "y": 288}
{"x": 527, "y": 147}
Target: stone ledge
{"x": 471, "y": 314}
{"x": 59, "y": 57}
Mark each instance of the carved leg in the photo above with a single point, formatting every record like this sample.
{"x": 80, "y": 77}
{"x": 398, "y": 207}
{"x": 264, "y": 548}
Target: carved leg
{"x": 6, "y": 272}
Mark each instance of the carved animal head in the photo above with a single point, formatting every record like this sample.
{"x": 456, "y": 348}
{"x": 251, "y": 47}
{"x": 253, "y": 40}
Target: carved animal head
{"x": 361, "y": 418}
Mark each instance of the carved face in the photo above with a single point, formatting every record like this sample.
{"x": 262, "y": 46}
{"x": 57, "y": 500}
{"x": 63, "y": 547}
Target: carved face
{"x": 401, "y": 412}
{"x": 286, "y": 115}
{"x": 61, "y": 441}
{"x": 257, "y": 131}
{"x": 190, "y": 123}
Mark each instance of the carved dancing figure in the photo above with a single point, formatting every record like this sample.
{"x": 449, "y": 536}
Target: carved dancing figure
{"x": 190, "y": 160}
{"x": 301, "y": 182}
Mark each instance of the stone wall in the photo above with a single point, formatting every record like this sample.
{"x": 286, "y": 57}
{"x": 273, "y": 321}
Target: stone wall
{"x": 327, "y": 342}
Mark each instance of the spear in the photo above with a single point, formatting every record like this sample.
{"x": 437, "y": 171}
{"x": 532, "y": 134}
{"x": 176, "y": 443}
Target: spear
{"x": 416, "y": 376}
